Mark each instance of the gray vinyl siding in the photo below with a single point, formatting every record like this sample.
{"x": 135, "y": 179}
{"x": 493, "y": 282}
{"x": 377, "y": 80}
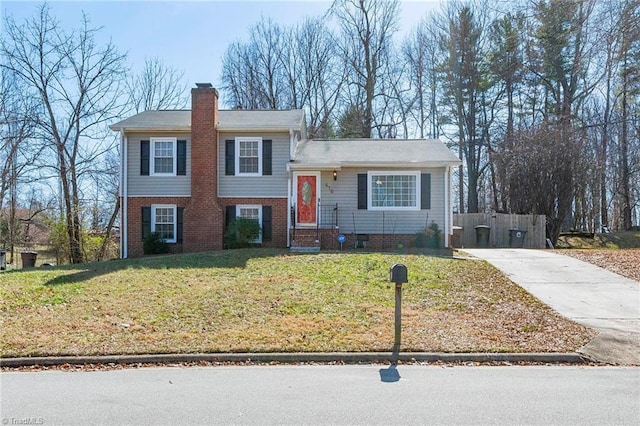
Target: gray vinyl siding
{"x": 274, "y": 185}
{"x": 372, "y": 221}
{"x": 155, "y": 186}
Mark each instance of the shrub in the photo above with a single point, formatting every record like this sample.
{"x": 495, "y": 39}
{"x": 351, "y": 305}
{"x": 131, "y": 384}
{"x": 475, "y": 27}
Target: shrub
{"x": 154, "y": 244}
{"x": 241, "y": 232}
{"x": 429, "y": 237}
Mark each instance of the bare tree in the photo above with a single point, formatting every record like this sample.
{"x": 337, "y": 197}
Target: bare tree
{"x": 78, "y": 84}
{"x": 422, "y": 55}
{"x": 547, "y": 157}
{"x": 280, "y": 68}
{"x": 158, "y": 86}
{"x": 320, "y": 73}
{"x": 253, "y": 72}
{"x": 18, "y": 115}
{"x": 367, "y": 30}
{"x": 629, "y": 57}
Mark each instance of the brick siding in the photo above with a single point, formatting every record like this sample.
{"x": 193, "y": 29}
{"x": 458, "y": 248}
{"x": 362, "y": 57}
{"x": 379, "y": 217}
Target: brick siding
{"x": 204, "y": 210}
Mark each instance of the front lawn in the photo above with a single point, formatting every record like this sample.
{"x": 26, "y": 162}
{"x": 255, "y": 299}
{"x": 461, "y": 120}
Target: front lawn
{"x": 259, "y": 300}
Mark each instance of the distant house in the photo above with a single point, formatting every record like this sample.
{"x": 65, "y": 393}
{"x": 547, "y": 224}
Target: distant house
{"x": 186, "y": 174}
{"x": 33, "y": 229}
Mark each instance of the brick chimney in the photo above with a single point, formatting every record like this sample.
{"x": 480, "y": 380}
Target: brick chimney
{"x": 203, "y": 224}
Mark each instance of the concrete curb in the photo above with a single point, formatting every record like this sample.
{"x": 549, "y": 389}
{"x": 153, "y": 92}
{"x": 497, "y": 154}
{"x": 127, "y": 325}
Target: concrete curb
{"x": 301, "y": 357}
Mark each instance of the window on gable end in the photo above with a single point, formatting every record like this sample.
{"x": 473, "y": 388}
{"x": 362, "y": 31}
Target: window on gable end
{"x": 248, "y": 156}
{"x": 163, "y": 156}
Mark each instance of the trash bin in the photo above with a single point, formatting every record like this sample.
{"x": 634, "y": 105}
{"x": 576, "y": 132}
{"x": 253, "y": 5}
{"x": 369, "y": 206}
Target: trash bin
{"x": 482, "y": 235}
{"x": 516, "y": 238}
{"x": 28, "y": 259}
{"x": 3, "y": 260}
{"x": 456, "y": 239}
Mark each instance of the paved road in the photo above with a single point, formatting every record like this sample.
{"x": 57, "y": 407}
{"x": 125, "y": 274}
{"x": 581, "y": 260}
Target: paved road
{"x": 325, "y": 395}
{"x": 582, "y": 292}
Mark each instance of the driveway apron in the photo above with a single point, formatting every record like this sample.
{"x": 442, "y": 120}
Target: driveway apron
{"x": 582, "y": 292}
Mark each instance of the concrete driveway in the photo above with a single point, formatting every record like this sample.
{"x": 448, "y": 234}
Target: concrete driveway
{"x": 582, "y": 292}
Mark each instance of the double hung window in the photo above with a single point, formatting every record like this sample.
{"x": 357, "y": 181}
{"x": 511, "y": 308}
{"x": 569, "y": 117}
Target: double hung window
{"x": 163, "y": 221}
{"x": 249, "y": 154}
{"x": 163, "y": 156}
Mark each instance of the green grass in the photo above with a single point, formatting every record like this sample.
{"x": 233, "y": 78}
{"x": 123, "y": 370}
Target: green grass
{"x": 259, "y": 300}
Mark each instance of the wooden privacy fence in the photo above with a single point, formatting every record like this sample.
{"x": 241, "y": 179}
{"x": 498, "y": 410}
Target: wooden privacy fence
{"x": 504, "y": 230}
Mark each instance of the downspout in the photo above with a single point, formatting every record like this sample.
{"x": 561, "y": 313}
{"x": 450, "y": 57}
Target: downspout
{"x": 120, "y": 186}
{"x": 291, "y": 155}
{"x": 289, "y": 208}
{"x": 447, "y": 206}
{"x": 124, "y": 217}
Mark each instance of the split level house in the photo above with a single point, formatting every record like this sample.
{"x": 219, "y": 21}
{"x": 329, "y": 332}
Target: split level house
{"x": 187, "y": 173}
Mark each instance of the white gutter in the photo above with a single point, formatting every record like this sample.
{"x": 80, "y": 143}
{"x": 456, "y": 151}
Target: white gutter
{"x": 222, "y": 128}
{"x": 354, "y": 164}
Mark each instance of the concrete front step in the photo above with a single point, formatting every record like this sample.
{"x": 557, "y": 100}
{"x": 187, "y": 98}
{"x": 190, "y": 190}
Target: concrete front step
{"x": 305, "y": 241}
{"x": 293, "y": 249}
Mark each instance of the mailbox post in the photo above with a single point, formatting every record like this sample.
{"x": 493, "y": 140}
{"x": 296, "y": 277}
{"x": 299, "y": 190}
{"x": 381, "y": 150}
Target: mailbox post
{"x": 398, "y": 275}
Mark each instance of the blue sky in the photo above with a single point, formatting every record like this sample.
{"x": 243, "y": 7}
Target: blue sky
{"x": 188, "y": 35}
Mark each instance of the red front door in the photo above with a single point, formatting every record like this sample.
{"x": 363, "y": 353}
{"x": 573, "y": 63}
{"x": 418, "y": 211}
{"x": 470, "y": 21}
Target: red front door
{"x": 307, "y": 199}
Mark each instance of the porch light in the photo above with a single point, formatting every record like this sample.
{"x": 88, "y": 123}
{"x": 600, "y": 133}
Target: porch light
{"x": 335, "y": 174}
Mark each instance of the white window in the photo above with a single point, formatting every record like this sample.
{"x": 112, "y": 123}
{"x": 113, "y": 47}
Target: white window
{"x": 163, "y": 156}
{"x": 249, "y": 156}
{"x": 251, "y": 212}
{"x": 163, "y": 221}
{"x": 393, "y": 190}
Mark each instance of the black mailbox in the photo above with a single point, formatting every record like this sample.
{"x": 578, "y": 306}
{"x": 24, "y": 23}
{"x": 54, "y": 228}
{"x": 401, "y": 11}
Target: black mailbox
{"x": 398, "y": 274}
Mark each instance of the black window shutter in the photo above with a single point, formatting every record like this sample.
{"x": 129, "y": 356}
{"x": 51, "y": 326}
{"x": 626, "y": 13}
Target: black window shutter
{"x": 266, "y": 158}
{"x": 266, "y": 223}
{"x": 362, "y": 191}
{"x": 230, "y": 158}
{"x": 179, "y": 222}
{"x": 182, "y": 158}
{"x": 146, "y": 222}
{"x": 425, "y": 188}
{"x": 230, "y": 214}
{"x": 144, "y": 158}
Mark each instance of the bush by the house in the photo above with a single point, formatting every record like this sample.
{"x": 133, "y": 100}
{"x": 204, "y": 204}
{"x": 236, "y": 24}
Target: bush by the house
{"x": 154, "y": 244}
{"x": 241, "y": 232}
{"x": 429, "y": 237}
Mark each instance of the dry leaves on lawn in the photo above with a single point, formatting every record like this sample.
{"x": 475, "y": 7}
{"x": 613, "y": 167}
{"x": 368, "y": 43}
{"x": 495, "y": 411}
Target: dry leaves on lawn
{"x": 625, "y": 262}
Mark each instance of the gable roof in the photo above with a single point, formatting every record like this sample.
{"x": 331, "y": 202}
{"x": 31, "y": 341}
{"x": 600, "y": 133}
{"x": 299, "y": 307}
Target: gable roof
{"x": 228, "y": 120}
{"x": 372, "y": 152}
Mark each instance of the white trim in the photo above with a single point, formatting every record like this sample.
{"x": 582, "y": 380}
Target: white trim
{"x": 363, "y": 164}
{"x": 289, "y": 204}
{"x": 238, "y": 141}
{"x": 175, "y": 219}
{"x": 152, "y": 155}
{"x": 271, "y": 197}
{"x": 160, "y": 196}
{"x": 252, "y": 206}
{"x": 123, "y": 194}
{"x": 448, "y": 226}
{"x": 418, "y": 193}
{"x": 274, "y": 129}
